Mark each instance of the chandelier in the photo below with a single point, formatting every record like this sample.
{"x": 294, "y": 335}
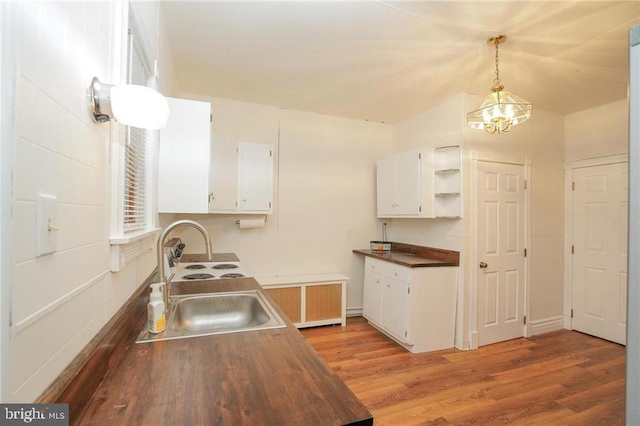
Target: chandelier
{"x": 500, "y": 110}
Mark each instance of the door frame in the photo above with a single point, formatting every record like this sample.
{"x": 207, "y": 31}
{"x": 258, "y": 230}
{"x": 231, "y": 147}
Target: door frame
{"x": 477, "y": 157}
{"x": 9, "y": 14}
{"x": 569, "y": 167}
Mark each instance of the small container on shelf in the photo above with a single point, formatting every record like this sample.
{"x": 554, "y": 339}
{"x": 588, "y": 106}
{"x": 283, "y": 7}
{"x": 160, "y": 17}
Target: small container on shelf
{"x": 379, "y": 246}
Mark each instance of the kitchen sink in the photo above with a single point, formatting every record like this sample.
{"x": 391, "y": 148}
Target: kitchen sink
{"x": 216, "y": 313}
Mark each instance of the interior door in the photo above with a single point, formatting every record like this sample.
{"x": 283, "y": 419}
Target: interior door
{"x": 599, "y": 288}
{"x": 500, "y": 272}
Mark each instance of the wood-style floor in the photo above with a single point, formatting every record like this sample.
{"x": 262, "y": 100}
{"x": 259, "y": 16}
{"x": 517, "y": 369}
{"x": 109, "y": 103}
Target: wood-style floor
{"x": 557, "y": 378}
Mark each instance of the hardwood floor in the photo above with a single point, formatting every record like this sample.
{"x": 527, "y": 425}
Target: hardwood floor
{"x": 557, "y": 378}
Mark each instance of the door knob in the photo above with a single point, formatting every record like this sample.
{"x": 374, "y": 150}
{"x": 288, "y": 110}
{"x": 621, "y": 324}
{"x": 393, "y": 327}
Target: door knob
{"x": 483, "y": 265}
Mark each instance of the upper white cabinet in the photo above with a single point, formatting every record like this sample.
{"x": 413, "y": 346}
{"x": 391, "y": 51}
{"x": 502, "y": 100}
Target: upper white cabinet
{"x": 217, "y": 157}
{"x": 183, "y": 158}
{"x": 420, "y": 183}
{"x": 255, "y": 170}
{"x": 404, "y": 185}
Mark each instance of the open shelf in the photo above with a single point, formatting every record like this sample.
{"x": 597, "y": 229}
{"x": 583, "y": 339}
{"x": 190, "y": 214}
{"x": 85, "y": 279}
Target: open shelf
{"x": 447, "y": 181}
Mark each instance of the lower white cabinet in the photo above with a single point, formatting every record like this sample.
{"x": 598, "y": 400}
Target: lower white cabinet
{"x": 414, "y": 306}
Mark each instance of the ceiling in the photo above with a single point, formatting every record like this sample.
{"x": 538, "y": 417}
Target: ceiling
{"x": 388, "y": 60}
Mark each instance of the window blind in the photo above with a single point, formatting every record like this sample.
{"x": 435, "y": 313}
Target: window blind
{"x": 136, "y": 143}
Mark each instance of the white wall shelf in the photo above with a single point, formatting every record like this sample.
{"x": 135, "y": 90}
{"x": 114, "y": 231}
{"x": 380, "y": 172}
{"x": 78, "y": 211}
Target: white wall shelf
{"x": 447, "y": 162}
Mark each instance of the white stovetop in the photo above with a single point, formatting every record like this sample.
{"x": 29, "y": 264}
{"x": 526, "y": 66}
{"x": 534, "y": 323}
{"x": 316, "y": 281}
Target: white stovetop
{"x": 183, "y": 269}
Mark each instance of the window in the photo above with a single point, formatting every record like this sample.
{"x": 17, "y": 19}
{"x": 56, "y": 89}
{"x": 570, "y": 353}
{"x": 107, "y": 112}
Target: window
{"x": 136, "y": 143}
{"x": 133, "y": 150}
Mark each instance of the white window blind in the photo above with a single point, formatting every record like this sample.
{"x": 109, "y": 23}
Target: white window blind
{"x": 136, "y": 166}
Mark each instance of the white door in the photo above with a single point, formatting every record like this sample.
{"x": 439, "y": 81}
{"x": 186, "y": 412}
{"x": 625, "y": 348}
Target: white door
{"x": 599, "y": 290}
{"x": 386, "y": 186}
{"x": 407, "y": 183}
{"x": 395, "y": 307}
{"x": 500, "y": 269}
{"x": 372, "y": 296}
{"x": 256, "y": 177}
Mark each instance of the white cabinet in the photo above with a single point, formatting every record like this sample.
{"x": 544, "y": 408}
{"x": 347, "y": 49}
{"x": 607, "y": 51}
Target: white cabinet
{"x": 404, "y": 184}
{"x": 242, "y": 165}
{"x": 255, "y": 170}
{"x": 225, "y": 173}
{"x": 414, "y": 306}
{"x": 420, "y": 183}
{"x": 183, "y": 158}
{"x": 372, "y": 296}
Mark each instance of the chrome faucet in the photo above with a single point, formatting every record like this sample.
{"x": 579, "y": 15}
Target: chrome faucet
{"x": 162, "y": 239}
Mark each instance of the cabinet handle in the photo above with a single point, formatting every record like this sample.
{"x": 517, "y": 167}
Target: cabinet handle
{"x": 244, "y": 200}
{"x": 211, "y": 197}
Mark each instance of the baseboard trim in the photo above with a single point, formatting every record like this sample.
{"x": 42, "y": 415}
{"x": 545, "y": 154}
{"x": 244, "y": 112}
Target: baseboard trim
{"x": 547, "y": 324}
{"x": 354, "y": 312}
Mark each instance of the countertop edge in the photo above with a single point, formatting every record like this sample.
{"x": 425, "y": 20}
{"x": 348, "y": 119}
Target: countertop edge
{"x": 420, "y": 256}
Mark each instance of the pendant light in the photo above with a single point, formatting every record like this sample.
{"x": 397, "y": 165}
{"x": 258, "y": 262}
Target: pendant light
{"x": 500, "y": 110}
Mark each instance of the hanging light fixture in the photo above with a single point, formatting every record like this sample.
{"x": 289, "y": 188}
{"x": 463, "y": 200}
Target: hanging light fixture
{"x": 500, "y": 110}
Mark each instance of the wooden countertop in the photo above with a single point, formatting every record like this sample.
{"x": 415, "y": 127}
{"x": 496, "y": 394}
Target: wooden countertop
{"x": 267, "y": 377}
{"x": 414, "y": 256}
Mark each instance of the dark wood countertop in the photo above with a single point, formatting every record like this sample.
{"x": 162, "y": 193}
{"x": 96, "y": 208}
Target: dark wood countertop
{"x": 414, "y": 256}
{"x": 267, "y": 377}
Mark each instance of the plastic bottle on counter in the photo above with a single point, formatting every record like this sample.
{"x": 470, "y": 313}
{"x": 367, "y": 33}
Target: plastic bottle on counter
{"x": 156, "y": 310}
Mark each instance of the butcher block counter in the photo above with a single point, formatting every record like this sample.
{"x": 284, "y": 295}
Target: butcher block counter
{"x": 266, "y": 377}
{"x": 414, "y": 256}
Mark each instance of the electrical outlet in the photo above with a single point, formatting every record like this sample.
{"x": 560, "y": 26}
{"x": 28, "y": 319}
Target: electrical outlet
{"x": 46, "y": 224}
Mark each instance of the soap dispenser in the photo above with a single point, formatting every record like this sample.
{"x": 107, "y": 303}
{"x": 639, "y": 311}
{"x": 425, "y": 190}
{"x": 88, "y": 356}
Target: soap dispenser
{"x": 156, "y": 310}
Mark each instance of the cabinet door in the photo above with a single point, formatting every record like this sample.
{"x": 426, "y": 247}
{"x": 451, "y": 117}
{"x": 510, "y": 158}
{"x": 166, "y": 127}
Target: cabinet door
{"x": 183, "y": 158}
{"x": 224, "y": 172}
{"x": 372, "y": 296}
{"x": 255, "y": 177}
{"x": 395, "y": 306}
{"x": 385, "y": 182}
{"x": 407, "y": 183}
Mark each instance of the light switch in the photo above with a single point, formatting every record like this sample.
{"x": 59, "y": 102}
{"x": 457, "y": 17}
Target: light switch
{"x": 46, "y": 224}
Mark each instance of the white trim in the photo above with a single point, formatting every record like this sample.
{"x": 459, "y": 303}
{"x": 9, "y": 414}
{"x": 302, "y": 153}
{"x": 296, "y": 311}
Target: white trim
{"x": 8, "y": 88}
{"x": 354, "y": 312}
{"x": 546, "y": 325}
{"x": 476, "y": 157}
{"x": 569, "y": 167}
{"x": 133, "y": 237}
{"x": 123, "y": 254}
{"x": 35, "y": 317}
{"x": 597, "y": 161}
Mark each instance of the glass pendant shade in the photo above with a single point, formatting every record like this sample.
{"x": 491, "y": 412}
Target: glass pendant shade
{"x": 499, "y": 111}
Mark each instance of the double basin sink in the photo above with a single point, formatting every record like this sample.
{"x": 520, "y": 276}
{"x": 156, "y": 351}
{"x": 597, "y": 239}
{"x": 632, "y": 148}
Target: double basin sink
{"x": 216, "y": 313}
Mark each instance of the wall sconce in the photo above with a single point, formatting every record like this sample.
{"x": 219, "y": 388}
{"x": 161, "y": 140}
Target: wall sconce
{"x": 131, "y": 105}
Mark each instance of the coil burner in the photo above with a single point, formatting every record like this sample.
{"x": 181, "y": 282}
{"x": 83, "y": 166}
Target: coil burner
{"x": 197, "y": 277}
{"x": 225, "y": 266}
{"x": 196, "y": 266}
{"x": 232, "y": 275}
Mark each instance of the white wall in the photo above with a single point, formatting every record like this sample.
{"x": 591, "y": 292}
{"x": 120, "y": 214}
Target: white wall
{"x": 324, "y": 192}
{"x": 61, "y": 300}
{"x": 597, "y": 132}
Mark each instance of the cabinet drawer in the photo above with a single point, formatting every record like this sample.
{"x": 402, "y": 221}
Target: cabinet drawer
{"x": 397, "y": 272}
{"x": 374, "y": 265}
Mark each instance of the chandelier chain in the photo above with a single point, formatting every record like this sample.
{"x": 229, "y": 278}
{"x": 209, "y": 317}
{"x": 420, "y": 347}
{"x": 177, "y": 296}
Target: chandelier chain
{"x": 497, "y": 79}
